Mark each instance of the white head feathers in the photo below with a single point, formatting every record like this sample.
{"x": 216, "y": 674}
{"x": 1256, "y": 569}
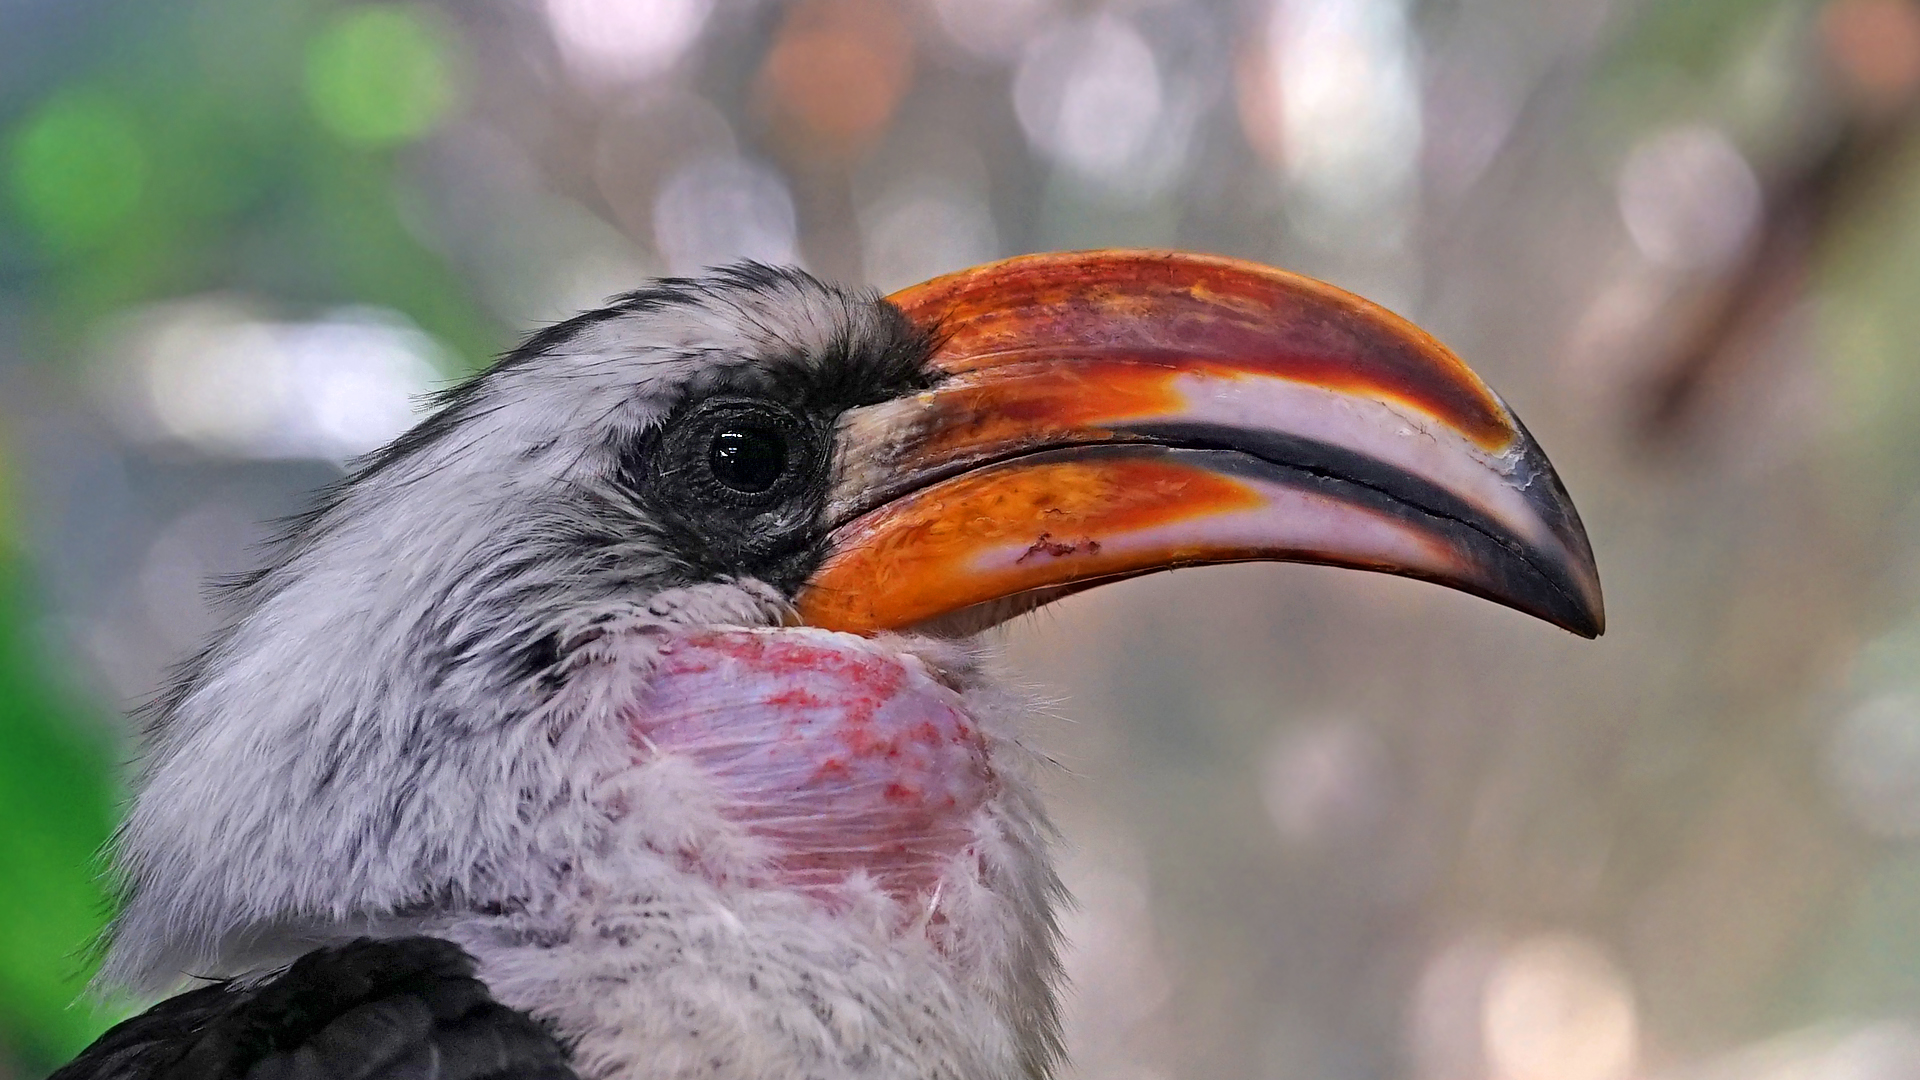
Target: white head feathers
{"x": 375, "y": 731}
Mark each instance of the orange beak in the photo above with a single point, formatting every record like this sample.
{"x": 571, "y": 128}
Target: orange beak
{"x": 1109, "y": 414}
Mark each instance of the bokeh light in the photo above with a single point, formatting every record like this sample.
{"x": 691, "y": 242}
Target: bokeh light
{"x": 619, "y": 40}
{"x": 1344, "y": 84}
{"x": 1091, "y": 96}
{"x": 1875, "y": 44}
{"x": 836, "y": 72}
{"x": 1688, "y": 197}
{"x": 1558, "y": 1009}
{"x": 78, "y": 168}
{"x": 380, "y": 73}
{"x": 218, "y": 377}
{"x": 722, "y": 209}
{"x": 1445, "y": 1020}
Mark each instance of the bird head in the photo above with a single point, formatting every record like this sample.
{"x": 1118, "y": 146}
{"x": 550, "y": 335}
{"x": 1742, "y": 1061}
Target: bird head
{"x": 644, "y": 666}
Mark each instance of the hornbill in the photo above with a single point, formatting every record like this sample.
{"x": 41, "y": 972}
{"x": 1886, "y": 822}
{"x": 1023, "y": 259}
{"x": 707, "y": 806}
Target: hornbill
{"x": 626, "y": 717}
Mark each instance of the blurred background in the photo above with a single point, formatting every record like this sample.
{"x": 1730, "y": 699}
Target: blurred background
{"x": 1324, "y": 825}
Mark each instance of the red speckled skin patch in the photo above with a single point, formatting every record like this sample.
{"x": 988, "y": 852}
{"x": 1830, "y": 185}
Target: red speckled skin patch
{"x": 846, "y": 756}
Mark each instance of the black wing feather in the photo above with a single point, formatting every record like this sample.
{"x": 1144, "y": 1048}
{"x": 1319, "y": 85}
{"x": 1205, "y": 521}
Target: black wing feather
{"x": 407, "y": 1009}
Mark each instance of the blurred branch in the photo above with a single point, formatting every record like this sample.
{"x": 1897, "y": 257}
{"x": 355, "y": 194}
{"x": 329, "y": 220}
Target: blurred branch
{"x": 1874, "y": 48}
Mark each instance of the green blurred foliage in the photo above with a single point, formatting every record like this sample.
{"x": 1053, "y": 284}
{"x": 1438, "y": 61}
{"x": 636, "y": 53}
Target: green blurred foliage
{"x": 57, "y": 799}
{"x": 1867, "y": 320}
{"x": 225, "y": 137}
{"x": 255, "y": 145}
{"x": 1699, "y": 36}
{"x": 379, "y": 75}
{"x": 78, "y": 169}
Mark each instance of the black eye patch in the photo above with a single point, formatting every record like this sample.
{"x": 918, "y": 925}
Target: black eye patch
{"x": 736, "y": 485}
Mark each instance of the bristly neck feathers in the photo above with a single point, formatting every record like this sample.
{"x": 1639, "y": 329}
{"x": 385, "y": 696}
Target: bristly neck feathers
{"x": 422, "y": 718}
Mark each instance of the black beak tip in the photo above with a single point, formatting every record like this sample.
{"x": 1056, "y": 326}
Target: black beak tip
{"x": 1587, "y": 620}
{"x": 1571, "y": 598}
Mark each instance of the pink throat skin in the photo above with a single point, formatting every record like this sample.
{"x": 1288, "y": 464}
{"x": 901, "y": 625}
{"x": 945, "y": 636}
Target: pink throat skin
{"x": 848, "y": 758}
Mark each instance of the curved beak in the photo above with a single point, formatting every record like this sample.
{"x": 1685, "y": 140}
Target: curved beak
{"x": 1110, "y": 414}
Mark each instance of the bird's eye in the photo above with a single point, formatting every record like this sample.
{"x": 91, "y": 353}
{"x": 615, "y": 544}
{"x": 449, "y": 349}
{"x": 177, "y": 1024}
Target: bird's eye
{"x": 734, "y": 485}
{"x": 748, "y": 458}
{"x": 730, "y": 457}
